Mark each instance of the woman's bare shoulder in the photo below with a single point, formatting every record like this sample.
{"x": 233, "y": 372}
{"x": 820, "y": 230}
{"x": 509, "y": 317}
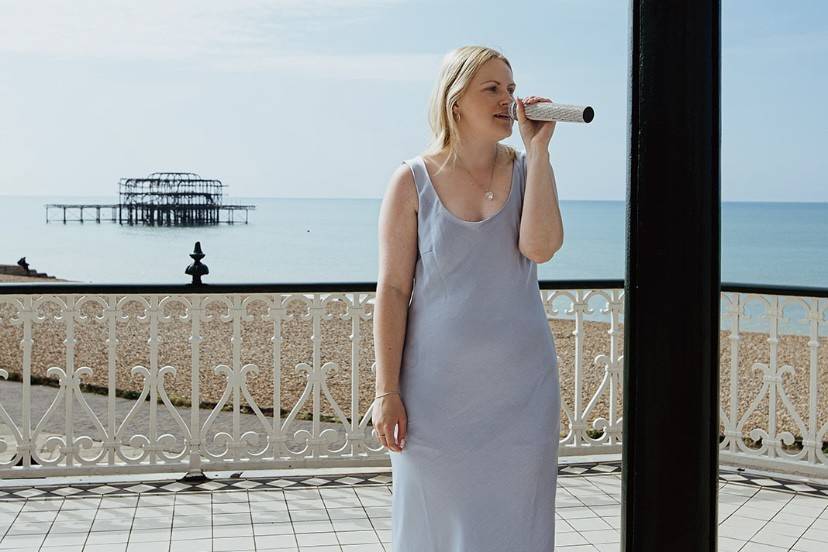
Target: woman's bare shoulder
{"x": 402, "y": 190}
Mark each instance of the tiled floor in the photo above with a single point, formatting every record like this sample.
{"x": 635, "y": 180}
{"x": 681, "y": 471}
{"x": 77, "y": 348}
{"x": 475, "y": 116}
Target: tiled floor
{"x": 349, "y": 517}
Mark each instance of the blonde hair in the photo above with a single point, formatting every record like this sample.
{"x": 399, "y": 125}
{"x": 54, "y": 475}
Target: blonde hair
{"x": 458, "y": 69}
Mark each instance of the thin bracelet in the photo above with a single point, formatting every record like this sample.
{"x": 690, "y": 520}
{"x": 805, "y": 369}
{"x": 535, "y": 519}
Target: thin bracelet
{"x": 384, "y": 394}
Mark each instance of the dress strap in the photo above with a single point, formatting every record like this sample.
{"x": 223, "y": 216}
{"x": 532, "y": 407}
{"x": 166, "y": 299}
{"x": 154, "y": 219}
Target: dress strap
{"x": 426, "y": 196}
{"x": 418, "y": 169}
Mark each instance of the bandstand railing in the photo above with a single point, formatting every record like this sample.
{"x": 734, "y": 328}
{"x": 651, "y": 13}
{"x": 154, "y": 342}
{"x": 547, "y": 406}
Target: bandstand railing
{"x": 281, "y": 375}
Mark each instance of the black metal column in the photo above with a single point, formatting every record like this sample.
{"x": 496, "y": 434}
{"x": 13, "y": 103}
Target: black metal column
{"x": 672, "y": 284}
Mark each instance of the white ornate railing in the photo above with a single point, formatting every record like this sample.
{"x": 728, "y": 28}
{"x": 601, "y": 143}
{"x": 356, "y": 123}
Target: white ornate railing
{"x": 244, "y": 351}
{"x": 778, "y": 345}
{"x": 189, "y": 448}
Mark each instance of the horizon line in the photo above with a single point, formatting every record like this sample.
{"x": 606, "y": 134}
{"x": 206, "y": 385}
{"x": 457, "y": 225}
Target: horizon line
{"x": 816, "y": 201}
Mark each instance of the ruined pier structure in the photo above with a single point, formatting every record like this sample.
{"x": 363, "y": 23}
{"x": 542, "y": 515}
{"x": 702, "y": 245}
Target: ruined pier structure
{"x": 164, "y": 199}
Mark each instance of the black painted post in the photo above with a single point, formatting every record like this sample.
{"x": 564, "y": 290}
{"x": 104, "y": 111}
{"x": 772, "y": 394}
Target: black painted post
{"x": 672, "y": 284}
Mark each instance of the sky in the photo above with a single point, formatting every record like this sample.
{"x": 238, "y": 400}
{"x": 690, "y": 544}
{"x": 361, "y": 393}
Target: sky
{"x": 325, "y": 98}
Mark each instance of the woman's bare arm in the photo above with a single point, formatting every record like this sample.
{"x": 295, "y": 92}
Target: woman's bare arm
{"x": 541, "y": 227}
{"x": 397, "y": 233}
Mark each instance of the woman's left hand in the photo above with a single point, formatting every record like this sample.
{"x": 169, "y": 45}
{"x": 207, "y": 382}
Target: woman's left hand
{"x": 534, "y": 133}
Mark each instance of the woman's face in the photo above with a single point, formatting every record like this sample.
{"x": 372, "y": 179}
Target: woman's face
{"x": 490, "y": 92}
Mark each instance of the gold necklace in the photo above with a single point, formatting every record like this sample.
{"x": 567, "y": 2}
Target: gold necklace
{"x": 488, "y": 193}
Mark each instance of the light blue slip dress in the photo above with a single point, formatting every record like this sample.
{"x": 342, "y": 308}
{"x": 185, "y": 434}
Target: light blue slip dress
{"x": 479, "y": 382}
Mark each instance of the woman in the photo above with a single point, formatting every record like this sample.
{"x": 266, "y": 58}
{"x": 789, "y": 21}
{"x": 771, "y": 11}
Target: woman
{"x": 467, "y": 388}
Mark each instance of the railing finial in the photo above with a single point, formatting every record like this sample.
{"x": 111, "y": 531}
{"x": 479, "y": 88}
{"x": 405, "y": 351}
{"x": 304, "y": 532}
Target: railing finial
{"x": 197, "y": 269}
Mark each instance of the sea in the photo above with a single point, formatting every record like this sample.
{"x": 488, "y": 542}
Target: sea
{"x": 290, "y": 240}
{"x": 335, "y": 240}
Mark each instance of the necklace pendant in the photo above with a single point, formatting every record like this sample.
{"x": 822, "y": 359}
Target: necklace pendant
{"x": 489, "y": 195}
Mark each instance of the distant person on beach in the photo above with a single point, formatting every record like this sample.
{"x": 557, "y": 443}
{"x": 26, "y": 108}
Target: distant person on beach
{"x": 467, "y": 389}
{"x": 23, "y": 264}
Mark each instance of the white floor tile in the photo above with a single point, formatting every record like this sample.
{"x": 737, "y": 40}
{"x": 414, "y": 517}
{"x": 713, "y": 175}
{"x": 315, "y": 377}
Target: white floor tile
{"x": 233, "y": 544}
{"x": 358, "y": 519}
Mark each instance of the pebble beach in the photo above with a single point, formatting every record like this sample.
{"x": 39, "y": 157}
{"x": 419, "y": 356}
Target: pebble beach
{"x": 297, "y": 347}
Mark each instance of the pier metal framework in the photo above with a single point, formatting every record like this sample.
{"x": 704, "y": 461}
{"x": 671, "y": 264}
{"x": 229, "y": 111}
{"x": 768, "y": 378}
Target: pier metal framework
{"x": 164, "y": 198}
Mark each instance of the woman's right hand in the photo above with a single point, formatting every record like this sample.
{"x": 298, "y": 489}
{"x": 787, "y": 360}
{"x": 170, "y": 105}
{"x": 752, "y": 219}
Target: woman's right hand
{"x": 387, "y": 413}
